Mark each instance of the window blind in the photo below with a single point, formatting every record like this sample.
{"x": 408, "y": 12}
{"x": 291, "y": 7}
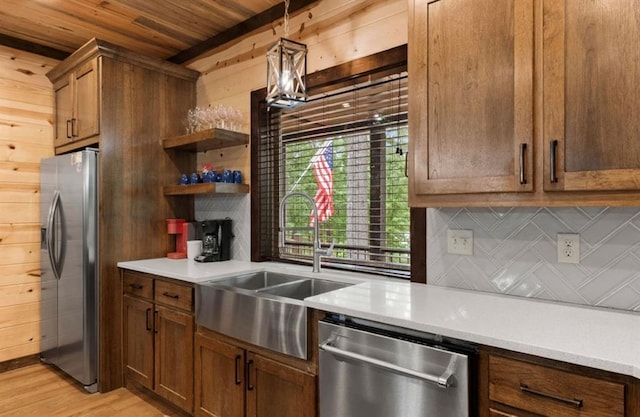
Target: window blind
{"x": 346, "y": 149}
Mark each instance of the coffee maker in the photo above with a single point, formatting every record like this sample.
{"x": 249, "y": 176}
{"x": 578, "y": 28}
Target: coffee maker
{"x": 216, "y": 241}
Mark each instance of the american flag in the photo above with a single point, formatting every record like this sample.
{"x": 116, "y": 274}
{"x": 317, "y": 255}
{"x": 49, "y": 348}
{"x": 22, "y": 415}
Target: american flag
{"x": 322, "y": 163}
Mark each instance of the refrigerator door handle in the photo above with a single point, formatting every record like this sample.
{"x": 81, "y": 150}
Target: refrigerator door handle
{"x": 50, "y": 234}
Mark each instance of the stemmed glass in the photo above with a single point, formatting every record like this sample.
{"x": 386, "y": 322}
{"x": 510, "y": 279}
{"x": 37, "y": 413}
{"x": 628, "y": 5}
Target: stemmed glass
{"x": 220, "y": 116}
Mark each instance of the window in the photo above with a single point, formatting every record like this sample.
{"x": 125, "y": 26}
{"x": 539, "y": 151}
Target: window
{"x": 345, "y": 148}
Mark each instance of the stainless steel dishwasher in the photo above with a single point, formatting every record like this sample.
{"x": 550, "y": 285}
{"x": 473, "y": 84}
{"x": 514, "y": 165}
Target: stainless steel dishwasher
{"x": 370, "y": 369}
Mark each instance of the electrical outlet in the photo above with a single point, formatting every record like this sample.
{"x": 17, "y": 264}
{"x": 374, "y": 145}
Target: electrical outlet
{"x": 569, "y": 248}
{"x": 459, "y": 242}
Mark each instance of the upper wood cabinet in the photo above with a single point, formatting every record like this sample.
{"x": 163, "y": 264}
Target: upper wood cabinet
{"x": 591, "y": 95}
{"x": 559, "y": 76}
{"x": 471, "y": 96}
{"x": 77, "y": 104}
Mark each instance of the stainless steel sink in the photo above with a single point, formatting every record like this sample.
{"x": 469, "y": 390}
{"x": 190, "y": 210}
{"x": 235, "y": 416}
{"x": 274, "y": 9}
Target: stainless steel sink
{"x": 262, "y": 308}
{"x": 299, "y": 290}
{"x": 257, "y": 280}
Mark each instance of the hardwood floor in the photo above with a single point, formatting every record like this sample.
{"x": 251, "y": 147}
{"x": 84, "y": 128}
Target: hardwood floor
{"x": 40, "y": 390}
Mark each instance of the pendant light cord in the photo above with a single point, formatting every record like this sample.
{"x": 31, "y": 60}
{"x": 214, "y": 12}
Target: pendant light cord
{"x": 286, "y": 18}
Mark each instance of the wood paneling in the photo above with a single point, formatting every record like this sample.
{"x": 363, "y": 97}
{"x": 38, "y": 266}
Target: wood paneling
{"x": 13, "y": 336}
{"x": 20, "y": 273}
{"x": 12, "y": 295}
{"x": 22, "y": 313}
{"x": 26, "y": 110}
{"x": 19, "y": 233}
{"x": 160, "y": 29}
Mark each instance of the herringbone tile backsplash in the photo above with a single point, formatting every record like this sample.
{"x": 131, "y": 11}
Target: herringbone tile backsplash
{"x": 238, "y": 209}
{"x": 515, "y": 253}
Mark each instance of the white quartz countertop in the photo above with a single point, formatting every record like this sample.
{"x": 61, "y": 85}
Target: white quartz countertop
{"x": 599, "y": 338}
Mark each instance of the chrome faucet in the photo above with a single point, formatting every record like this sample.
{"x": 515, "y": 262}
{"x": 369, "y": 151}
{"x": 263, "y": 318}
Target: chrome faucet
{"x": 317, "y": 248}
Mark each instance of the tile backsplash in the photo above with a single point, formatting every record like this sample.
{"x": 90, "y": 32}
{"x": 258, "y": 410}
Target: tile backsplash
{"x": 515, "y": 253}
{"x": 236, "y": 207}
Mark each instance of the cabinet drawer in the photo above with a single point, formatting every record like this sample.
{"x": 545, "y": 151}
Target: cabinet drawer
{"x": 552, "y": 392}
{"x": 175, "y": 295}
{"x": 137, "y": 285}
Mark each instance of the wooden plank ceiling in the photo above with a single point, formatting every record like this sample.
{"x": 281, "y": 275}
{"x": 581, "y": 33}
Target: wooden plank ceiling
{"x": 174, "y": 30}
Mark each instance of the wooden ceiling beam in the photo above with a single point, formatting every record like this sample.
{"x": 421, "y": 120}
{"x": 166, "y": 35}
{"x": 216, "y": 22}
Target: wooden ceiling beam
{"x": 33, "y": 48}
{"x": 243, "y": 28}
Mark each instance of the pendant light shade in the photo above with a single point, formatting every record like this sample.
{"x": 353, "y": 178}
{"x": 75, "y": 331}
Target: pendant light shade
{"x": 286, "y": 74}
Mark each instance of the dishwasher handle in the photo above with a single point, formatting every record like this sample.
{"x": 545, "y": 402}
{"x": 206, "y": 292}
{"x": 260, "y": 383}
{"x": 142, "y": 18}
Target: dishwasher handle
{"x": 445, "y": 380}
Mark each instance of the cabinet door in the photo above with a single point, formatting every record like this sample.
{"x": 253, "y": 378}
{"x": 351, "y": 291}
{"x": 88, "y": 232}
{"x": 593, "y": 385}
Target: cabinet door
{"x": 87, "y": 108}
{"x": 471, "y": 102}
{"x": 64, "y": 111}
{"x": 219, "y": 378}
{"x": 591, "y": 95}
{"x": 174, "y": 356}
{"x": 138, "y": 340}
{"x": 274, "y": 389}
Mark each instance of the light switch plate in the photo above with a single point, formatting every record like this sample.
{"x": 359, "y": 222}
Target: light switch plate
{"x": 569, "y": 248}
{"x": 459, "y": 242}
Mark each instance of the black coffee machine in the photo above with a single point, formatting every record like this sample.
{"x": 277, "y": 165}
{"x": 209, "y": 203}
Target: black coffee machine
{"x": 216, "y": 241}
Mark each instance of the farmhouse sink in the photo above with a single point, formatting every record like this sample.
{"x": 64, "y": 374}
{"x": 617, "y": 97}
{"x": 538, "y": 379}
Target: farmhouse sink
{"x": 257, "y": 280}
{"x": 299, "y": 290}
{"x": 262, "y": 308}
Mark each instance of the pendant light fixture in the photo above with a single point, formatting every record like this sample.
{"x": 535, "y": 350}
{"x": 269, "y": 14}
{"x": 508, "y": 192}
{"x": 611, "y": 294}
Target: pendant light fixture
{"x": 286, "y": 70}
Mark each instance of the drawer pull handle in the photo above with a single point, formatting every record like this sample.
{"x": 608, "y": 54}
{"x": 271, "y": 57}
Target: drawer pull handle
{"x": 553, "y": 146}
{"x": 523, "y": 155}
{"x": 155, "y": 321}
{"x": 238, "y": 359}
{"x": 168, "y": 294}
{"x": 69, "y": 128}
{"x": 136, "y": 286}
{"x": 250, "y": 386}
{"x": 575, "y": 402}
{"x": 146, "y": 322}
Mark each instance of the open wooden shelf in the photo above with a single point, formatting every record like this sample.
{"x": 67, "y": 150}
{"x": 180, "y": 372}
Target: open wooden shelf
{"x": 206, "y": 188}
{"x": 206, "y": 140}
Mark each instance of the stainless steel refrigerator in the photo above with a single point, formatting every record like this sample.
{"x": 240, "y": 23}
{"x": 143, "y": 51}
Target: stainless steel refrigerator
{"x": 69, "y": 264}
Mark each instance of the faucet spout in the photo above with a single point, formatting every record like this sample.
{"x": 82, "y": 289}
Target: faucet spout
{"x": 317, "y": 250}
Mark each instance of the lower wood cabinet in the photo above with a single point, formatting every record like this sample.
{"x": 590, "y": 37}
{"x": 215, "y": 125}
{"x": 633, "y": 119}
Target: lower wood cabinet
{"x": 219, "y": 378}
{"x": 232, "y": 381}
{"x": 524, "y": 386}
{"x": 158, "y": 337}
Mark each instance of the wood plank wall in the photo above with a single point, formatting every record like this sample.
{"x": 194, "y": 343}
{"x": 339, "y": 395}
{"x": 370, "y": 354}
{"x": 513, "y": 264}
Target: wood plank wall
{"x": 26, "y": 136}
{"x": 335, "y": 31}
